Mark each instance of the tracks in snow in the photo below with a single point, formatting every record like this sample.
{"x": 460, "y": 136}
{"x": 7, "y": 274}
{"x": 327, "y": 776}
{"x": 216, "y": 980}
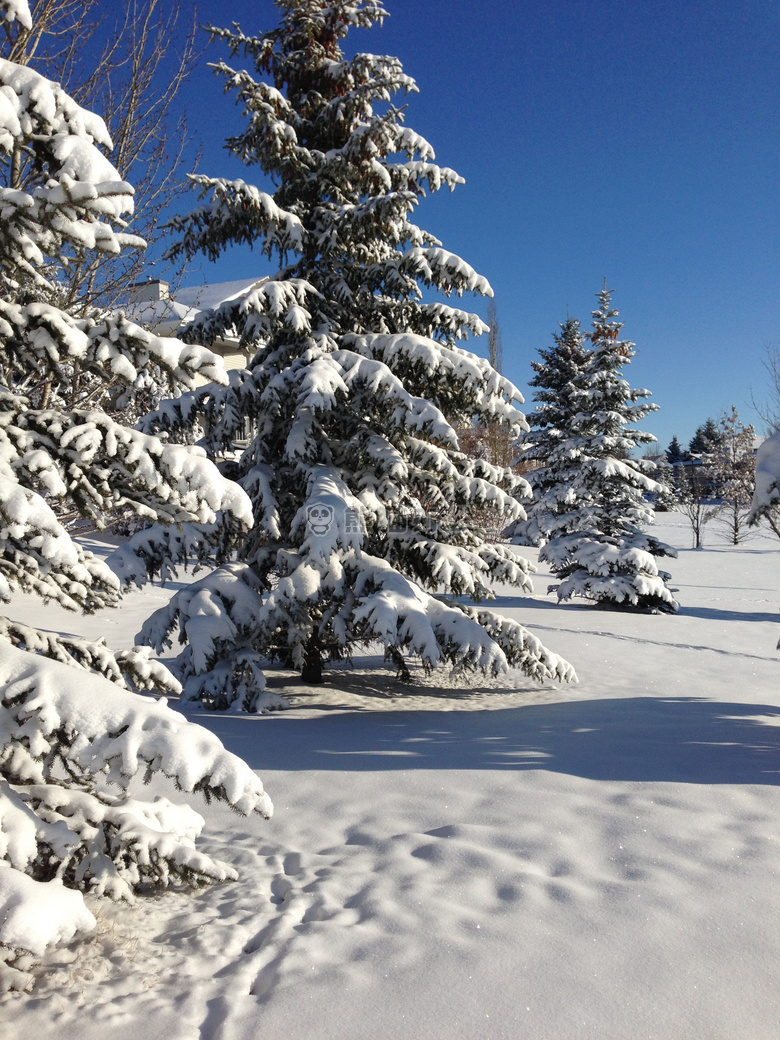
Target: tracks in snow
{"x": 665, "y": 643}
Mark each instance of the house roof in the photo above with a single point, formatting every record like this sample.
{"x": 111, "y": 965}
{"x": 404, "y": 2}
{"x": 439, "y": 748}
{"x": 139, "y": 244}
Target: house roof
{"x": 167, "y": 314}
{"x": 205, "y": 297}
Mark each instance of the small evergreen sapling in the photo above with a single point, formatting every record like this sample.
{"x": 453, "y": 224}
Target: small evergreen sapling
{"x": 596, "y": 543}
{"x": 359, "y": 487}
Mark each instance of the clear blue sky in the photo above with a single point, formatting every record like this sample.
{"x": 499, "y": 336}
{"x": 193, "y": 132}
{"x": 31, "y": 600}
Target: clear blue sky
{"x": 634, "y": 140}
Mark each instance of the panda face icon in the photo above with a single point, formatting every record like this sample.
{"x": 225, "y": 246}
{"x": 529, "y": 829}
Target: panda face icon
{"x": 319, "y": 518}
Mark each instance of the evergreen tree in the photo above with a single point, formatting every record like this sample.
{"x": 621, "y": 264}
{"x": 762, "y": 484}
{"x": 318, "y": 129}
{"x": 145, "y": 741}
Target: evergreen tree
{"x": 676, "y": 458}
{"x": 675, "y": 454}
{"x": 668, "y": 478}
{"x": 359, "y": 487}
{"x": 70, "y": 741}
{"x": 546, "y": 446}
{"x": 706, "y": 438}
{"x": 697, "y": 446}
{"x": 598, "y": 547}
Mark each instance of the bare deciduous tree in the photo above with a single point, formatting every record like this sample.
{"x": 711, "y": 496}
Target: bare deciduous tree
{"x": 732, "y": 468}
{"x": 499, "y": 441}
{"x": 489, "y": 441}
{"x": 694, "y": 499}
{"x": 495, "y": 343}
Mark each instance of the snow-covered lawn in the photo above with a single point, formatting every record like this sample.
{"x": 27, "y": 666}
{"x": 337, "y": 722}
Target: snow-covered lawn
{"x": 559, "y": 863}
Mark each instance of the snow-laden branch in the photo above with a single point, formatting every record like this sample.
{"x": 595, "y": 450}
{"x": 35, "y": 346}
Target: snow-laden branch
{"x": 766, "y": 496}
{"x": 238, "y": 212}
{"x": 59, "y": 724}
{"x": 16, "y": 11}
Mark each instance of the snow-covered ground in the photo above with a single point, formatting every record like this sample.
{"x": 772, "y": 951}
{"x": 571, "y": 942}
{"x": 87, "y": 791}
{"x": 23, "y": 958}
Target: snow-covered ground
{"x": 559, "y": 863}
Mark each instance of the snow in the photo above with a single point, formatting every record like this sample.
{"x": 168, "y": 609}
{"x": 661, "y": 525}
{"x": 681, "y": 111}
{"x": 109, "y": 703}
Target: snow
{"x": 16, "y": 10}
{"x": 424, "y": 263}
{"x": 43, "y": 107}
{"x": 80, "y": 186}
{"x": 490, "y": 859}
{"x": 35, "y": 914}
{"x": 206, "y": 297}
{"x": 120, "y": 730}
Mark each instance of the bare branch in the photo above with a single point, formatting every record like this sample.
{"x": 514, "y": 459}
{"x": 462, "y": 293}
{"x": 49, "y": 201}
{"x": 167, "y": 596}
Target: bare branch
{"x": 769, "y": 407}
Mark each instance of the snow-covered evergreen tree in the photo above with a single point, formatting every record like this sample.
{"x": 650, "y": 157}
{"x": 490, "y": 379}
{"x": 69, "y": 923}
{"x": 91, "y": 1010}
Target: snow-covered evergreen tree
{"x": 355, "y": 391}
{"x": 669, "y": 495}
{"x": 596, "y": 544}
{"x": 546, "y": 446}
{"x": 70, "y": 740}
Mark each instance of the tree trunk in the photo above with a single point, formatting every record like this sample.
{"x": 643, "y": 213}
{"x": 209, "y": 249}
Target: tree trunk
{"x": 312, "y": 661}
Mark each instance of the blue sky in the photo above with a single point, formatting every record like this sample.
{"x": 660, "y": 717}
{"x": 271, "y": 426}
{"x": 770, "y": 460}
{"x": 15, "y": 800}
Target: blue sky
{"x": 634, "y": 140}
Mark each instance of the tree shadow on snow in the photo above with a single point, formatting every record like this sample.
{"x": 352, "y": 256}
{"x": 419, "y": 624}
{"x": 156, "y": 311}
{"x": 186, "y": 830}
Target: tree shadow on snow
{"x": 704, "y": 613}
{"x": 714, "y": 614}
{"x": 681, "y": 740}
{"x": 501, "y": 603}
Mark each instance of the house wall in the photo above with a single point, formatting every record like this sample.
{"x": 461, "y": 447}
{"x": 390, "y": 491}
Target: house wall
{"x": 233, "y": 358}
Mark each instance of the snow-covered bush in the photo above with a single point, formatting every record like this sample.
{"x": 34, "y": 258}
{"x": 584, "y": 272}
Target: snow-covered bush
{"x": 592, "y": 495}
{"x": 359, "y": 488}
{"x": 72, "y": 731}
{"x": 766, "y": 494}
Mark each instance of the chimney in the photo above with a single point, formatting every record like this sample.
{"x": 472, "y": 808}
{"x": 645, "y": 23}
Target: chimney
{"x": 151, "y": 289}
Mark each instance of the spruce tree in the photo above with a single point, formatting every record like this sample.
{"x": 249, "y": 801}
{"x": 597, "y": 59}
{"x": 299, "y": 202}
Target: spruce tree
{"x": 675, "y": 454}
{"x": 72, "y": 731}
{"x": 356, "y": 388}
{"x": 676, "y": 459}
{"x": 546, "y": 446}
{"x": 598, "y": 547}
{"x": 705, "y": 439}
